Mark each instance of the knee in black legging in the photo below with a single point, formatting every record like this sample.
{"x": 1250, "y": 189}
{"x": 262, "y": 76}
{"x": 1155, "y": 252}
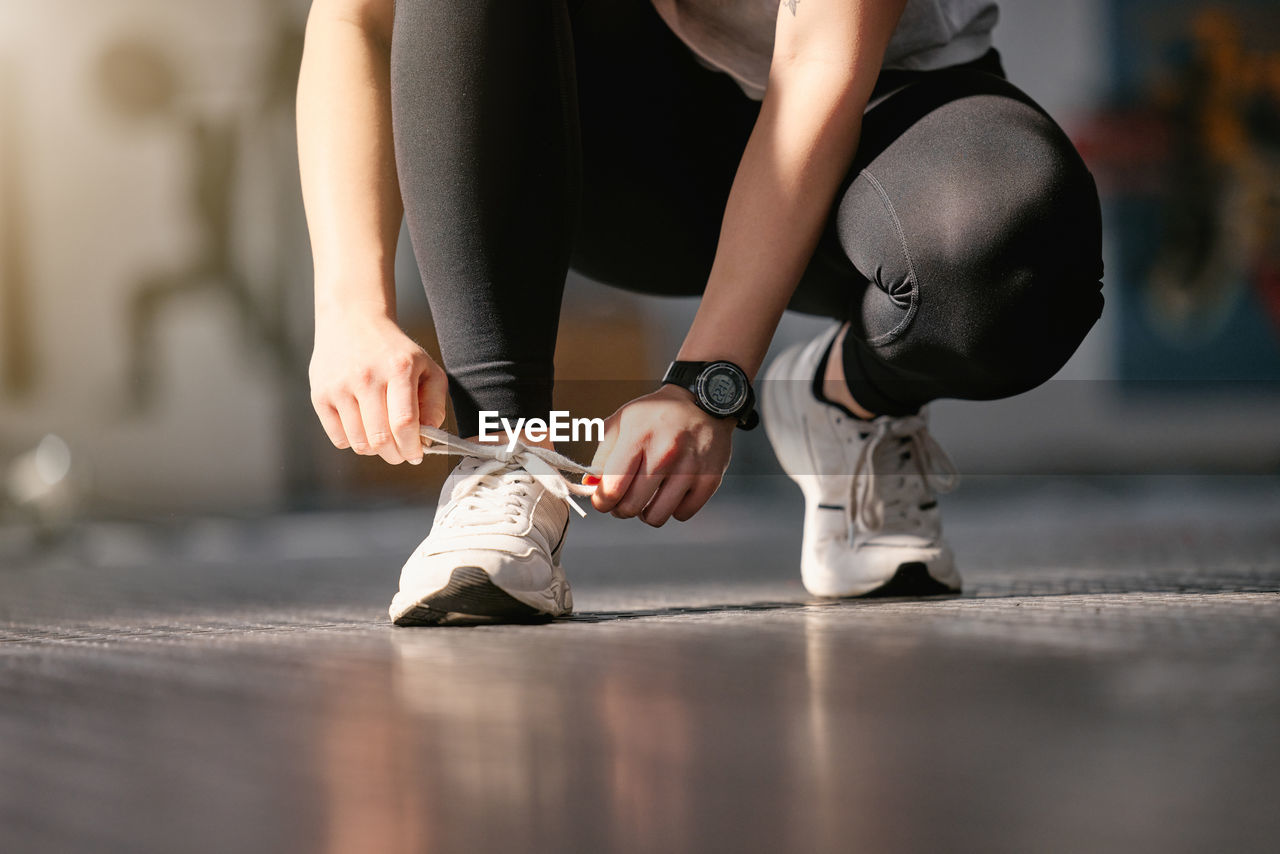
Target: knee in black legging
{"x": 1023, "y": 277}
{"x": 979, "y": 232}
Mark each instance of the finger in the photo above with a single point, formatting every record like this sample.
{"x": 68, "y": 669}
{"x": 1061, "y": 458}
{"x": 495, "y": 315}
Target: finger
{"x": 349, "y": 415}
{"x": 638, "y": 495}
{"x": 433, "y": 387}
{"x": 642, "y": 489}
{"x": 666, "y": 500}
{"x": 610, "y": 441}
{"x": 402, "y": 412}
{"x": 332, "y": 425}
{"x": 377, "y": 427}
{"x": 603, "y": 451}
{"x": 613, "y": 486}
{"x": 704, "y": 486}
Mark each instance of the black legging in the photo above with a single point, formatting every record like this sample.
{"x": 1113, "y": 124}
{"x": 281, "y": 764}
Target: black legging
{"x": 964, "y": 245}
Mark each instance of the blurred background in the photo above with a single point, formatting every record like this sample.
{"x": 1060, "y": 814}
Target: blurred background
{"x": 155, "y": 306}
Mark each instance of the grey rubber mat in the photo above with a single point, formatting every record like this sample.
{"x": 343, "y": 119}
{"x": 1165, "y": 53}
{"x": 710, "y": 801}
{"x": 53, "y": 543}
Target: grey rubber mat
{"x": 1106, "y": 682}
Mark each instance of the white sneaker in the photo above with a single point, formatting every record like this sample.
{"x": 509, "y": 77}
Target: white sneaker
{"x": 493, "y": 554}
{"x": 871, "y": 520}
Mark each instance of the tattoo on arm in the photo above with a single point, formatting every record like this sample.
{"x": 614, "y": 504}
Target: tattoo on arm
{"x": 791, "y": 4}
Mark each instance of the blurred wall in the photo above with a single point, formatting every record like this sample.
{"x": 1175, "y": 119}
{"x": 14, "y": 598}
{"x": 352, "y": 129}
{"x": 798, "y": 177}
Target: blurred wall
{"x": 156, "y": 255}
{"x": 1098, "y": 416}
{"x": 155, "y": 276}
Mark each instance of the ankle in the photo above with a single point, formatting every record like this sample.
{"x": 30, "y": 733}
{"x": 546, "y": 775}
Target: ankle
{"x": 835, "y": 385}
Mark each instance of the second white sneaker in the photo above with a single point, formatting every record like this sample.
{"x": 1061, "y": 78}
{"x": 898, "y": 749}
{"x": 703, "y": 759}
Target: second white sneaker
{"x": 871, "y": 520}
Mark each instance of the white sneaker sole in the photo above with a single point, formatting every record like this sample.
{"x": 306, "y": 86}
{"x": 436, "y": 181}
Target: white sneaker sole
{"x": 871, "y": 570}
{"x": 471, "y": 598}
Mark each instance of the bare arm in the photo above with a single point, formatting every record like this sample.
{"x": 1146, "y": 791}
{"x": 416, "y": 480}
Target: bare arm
{"x": 662, "y": 456}
{"x": 371, "y": 385}
{"x": 826, "y": 58}
{"x": 345, "y": 153}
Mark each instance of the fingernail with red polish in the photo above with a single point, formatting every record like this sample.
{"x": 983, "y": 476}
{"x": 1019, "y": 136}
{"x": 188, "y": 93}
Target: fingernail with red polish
{"x": 591, "y": 479}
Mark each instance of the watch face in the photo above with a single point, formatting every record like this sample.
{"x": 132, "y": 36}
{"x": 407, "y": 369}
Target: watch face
{"x": 722, "y": 388}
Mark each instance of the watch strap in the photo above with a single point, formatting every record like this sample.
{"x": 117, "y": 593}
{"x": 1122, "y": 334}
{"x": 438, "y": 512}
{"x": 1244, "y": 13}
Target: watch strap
{"x": 685, "y": 375}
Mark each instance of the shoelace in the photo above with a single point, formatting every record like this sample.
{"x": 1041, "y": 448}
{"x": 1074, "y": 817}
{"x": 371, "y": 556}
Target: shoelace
{"x": 544, "y": 466}
{"x": 936, "y": 468}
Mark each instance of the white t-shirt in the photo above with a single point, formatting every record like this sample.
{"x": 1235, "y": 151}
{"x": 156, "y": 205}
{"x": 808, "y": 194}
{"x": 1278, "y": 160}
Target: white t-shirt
{"x": 736, "y": 36}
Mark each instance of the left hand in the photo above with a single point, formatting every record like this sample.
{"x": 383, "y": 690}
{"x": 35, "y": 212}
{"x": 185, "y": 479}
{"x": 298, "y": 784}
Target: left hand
{"x": 662, "y": 456}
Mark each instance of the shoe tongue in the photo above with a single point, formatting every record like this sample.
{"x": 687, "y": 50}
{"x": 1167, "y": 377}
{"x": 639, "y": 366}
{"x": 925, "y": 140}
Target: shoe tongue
{"x": 460, "y": 472}
{"x": 548, "y": 520}
{"x": 467, "y": 466}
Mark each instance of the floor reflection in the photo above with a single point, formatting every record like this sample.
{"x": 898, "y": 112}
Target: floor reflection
{"x": 651, "y": 743}
{"x": 572, "y": 745}
{"x": 485, "y": 738}
{"x": 585, "y": 745}
{"x": 372, "y": 789}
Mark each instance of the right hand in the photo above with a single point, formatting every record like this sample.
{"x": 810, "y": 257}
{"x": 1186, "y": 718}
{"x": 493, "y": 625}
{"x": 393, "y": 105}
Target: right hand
{"x": 372, "y": 386}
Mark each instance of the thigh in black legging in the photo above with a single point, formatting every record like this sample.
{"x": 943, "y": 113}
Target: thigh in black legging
{"x": 964, "y": 248}
{"x": 662, "y": 136}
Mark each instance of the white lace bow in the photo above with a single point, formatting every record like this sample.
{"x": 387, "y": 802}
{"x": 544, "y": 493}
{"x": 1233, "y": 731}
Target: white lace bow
{"x": 546, "y": 467}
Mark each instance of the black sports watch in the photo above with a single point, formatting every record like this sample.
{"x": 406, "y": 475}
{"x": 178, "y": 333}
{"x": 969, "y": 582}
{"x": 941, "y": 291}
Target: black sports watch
{"x": 719, "y": 388}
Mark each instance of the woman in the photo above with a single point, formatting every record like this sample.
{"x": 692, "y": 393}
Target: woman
{"x": 864, "y": 160}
